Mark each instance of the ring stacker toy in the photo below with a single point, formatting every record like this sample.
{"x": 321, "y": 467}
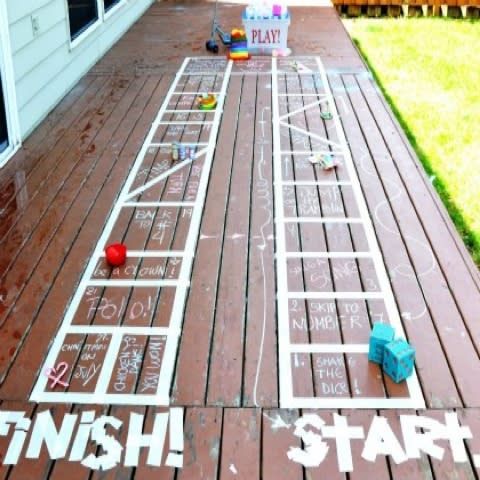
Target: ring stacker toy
{"x": 211, "y": 45}
{"x": 325, "y": 160}
{"x": 238, "y": 46}
{"x": 207, "y": 101}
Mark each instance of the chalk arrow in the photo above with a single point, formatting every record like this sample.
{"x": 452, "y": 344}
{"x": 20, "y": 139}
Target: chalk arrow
{"x": 277, "y": 423}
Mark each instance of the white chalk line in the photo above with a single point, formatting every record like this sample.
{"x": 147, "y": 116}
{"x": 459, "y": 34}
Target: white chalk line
{"x": 303, "y": 108}
{"x": 318, "y": 220}
{"x": 154, "y": 253}
{"x": 284, "y": 360}
{"x": 185, "y": 122}
{"x": 261, "y": 247}
{"x": 158, "y": 204}
{"x": 328, "y": 348}
{"x": 309, "y": 134}
{"x": 329, "y": 254}
{"x": 313, "y": 183}
{"x": 134, "y": 282}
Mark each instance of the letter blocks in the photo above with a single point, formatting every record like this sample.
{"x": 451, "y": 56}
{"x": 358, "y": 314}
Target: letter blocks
{"x": 380, "y": 336}
{"x": 398, "y": 360}
{"x": 396, "y": 356}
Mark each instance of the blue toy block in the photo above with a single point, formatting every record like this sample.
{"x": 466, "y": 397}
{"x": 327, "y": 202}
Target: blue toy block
{"x": 380, "y": 336}
{"x": 398, "y": 360}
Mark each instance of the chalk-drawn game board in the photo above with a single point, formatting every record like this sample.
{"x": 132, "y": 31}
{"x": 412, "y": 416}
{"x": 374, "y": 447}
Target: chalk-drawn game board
{"x": 120, "y": 334}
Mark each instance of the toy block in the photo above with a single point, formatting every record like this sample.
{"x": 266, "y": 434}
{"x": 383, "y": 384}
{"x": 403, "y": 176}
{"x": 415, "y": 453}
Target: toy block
{"x": 379, "y": 337}
{"x": 398, "y": 360}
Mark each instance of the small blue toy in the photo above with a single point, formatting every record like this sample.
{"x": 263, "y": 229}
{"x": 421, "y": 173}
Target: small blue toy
{"x": 398, "y": 360}
{"x": 380, "y": 336}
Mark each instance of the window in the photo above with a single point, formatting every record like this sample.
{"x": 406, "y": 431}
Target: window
{"x": 108, "y": 4}
{"x": 82, "y": 14}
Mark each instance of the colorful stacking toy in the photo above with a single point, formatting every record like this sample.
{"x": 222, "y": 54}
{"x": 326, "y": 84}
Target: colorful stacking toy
{"x": 238, "y": 47}
{"x": 207, "y": 101}
{"x": 397, "y": 357}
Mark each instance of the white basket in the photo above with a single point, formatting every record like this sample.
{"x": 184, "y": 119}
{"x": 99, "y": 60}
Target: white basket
{"x": 265, "y": 35}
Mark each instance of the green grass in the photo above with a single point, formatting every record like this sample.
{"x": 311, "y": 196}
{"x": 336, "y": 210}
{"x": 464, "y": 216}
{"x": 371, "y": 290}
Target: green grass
{"x": 429, "y": 71}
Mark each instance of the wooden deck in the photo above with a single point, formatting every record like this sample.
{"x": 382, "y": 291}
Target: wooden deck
{"x": 253, "y": 280}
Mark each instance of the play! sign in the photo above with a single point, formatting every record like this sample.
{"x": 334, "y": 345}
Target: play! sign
{"x": 267, "y": 34}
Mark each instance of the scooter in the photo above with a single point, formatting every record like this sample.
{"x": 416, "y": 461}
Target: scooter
{"x": 226, "y": 38}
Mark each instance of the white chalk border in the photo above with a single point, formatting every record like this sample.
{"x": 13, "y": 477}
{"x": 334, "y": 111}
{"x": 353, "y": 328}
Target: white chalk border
{"x": 285, "y": 346}
{"x": 172, "y": 333}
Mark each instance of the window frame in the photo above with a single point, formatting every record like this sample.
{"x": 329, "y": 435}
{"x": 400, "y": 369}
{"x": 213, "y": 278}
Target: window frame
{"x": 103, "y": 15}
{"x": 111, "y": 11}
{"x": 9, "y": 92}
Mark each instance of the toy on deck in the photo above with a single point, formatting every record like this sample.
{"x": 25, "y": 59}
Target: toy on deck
{"x": 238, "y": 45}
{"x": 116, "y": 254}
{"x": 325, "y": 160}
{"x": 326, "y": 115}
{"x": 207, "y": 101}
{"x": 398, "y": 360}
{"x": 396, "y": 356}
{"x": 380, "y": 336}
{"x": 211, "y": 44}
{"x": 181, "y": 151}
{"x": 300, "y": 67}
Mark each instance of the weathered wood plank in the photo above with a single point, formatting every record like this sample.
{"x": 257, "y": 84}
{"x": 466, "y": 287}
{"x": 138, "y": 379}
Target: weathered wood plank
{"x": 63, "y": 468}
{"x": 226, "y": 362}
{"x": 277, "y": 439}
{"x": 449, "y": 254}
{"x": 415, "y": 469}
{"x": 463, "y": 357}
{"x": 52, "y": 208}
{"x": 90, "y": 211}
{"x": 446, "y": 467}
{"x": 241, "y": 443}
{"x": 32, "y": 155}
{"x": 260, "y": 371}
{"x": 193, "y": 358}
{"x": 203, "y": 429}
{"x": 361, "y": 467}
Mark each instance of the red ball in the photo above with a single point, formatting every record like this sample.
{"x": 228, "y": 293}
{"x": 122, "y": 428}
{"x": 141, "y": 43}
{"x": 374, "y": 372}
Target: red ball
{"x": 116, "y": 254}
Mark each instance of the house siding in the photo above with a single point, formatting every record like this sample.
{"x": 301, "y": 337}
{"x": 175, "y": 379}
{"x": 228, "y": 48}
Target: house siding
{"x": 45, "y": 65}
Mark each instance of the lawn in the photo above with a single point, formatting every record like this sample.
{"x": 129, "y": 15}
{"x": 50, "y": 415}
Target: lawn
{"x": 429, "y": 71}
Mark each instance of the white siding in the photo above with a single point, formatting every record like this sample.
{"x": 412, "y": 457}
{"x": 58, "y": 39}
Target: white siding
{"x": 45, "y": 65}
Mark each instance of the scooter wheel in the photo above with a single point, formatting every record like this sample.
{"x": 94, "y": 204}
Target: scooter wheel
{"x": 211, "y": 46}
